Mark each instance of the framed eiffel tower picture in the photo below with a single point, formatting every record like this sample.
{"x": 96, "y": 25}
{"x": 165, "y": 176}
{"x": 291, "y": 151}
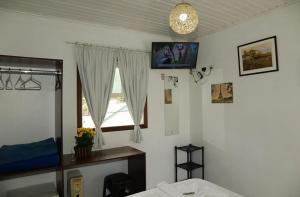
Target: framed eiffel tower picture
{"x": 222, "y": 93}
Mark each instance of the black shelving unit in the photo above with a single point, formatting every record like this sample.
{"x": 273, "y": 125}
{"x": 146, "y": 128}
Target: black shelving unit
{"x": 189, "y": 165}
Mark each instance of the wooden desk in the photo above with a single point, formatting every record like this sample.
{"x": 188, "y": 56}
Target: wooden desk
{"x": 136, "y": 163}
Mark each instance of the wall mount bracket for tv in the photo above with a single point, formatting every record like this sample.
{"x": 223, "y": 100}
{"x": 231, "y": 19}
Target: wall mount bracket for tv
{"x": 200, "y": 74}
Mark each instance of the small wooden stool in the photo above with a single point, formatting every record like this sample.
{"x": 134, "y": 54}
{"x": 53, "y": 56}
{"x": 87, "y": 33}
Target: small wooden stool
{"x": 118, "y": 184}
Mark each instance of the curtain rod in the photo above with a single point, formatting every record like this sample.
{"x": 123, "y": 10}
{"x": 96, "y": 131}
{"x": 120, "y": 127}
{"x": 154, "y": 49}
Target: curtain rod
{"x": 110, "y": 47}
{"x": 29, "y": 71}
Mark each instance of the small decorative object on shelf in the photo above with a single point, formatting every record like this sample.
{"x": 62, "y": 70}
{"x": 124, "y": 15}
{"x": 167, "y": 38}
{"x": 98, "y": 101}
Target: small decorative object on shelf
{"x": 189, "y": 165}
{"x": 84, "y": 143}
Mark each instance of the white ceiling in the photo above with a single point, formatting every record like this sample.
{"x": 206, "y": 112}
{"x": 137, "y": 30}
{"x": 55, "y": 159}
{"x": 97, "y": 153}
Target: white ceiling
{"x": 147, "y": 15}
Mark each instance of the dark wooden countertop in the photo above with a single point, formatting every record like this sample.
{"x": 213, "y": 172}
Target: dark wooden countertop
{"x": 69, "y": 160}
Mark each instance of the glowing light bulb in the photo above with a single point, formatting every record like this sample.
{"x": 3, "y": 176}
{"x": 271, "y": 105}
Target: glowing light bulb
{"x": 183, "y": 16}
{"x": 183, "y": 19}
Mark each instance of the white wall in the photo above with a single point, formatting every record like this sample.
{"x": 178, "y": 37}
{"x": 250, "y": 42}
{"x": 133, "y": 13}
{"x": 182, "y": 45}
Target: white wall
{"x": 252, "y": 145}
{"x": 21, "y": 112}
{"x": 34, "y": 36}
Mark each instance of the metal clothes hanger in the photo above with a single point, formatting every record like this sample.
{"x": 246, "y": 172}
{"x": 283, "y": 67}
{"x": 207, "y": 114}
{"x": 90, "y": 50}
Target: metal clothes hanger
{"x": 57, "y": 83}
{"x": 2, "y": 86}
{"x": 19, "y": 84}
{"x": 36, "y": 82}
{"x": 8, "y": 82}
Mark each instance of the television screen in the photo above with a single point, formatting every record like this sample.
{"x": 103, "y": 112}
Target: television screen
{"x": 174, "y": 55}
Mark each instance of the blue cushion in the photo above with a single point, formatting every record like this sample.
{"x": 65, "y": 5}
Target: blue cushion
{"x": 22, "y": 157}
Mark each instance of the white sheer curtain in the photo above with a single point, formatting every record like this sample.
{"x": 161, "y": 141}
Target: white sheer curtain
{"x": 134, "y": 72}
{"x": 96, "y": 67}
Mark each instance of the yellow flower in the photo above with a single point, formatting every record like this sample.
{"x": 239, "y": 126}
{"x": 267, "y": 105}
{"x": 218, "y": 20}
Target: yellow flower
{"x": 89, "y": 131}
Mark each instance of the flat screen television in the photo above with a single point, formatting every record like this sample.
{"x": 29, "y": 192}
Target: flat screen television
{"x": 174, "y": 55}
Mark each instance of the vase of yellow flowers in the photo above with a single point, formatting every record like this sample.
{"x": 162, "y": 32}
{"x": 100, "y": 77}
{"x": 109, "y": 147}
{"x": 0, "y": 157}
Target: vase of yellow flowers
{"x": 84, "y": 142}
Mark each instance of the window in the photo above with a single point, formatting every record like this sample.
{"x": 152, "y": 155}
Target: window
{"x": 117, "y": 117}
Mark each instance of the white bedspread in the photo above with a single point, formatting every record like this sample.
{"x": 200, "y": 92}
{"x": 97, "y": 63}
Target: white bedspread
{"x": 188, "y": 188}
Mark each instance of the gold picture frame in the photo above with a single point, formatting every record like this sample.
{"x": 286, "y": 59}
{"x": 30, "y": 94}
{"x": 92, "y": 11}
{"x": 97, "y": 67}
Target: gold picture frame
{"x": 168, "y": 96}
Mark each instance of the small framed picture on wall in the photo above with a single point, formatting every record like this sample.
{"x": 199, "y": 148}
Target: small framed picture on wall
{"x": 258, "y": 57}
{"x": 222, "y": 93}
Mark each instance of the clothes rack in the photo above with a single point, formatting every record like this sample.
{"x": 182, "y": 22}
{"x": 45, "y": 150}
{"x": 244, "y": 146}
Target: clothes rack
{"x": 29, "y": 71}
{"x": 29, "y": 66}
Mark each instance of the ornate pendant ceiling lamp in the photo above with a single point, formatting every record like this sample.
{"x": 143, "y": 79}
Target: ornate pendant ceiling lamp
{"x": 183, "y": 18}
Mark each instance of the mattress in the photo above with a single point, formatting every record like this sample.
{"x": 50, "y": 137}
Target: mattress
{"x": 188, "y": 188}
{"x": 22, "y": 157}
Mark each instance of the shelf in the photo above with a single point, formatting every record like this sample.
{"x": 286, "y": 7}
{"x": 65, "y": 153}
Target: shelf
{"x": 190, "y": 148}
{"x": 136, "y": 163}
{"x": 34, "y": 62}
{"x": 27, "y": 63}
{"x": 12, "y": 175}
{"x": 69, "y": 160}
{"x": 189, "y": 166}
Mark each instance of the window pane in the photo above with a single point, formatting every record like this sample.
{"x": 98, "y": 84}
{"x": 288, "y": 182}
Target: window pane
{"x": 117, "y": 113}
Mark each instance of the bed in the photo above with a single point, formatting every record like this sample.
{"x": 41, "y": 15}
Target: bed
{"x": 188, "y": 188}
